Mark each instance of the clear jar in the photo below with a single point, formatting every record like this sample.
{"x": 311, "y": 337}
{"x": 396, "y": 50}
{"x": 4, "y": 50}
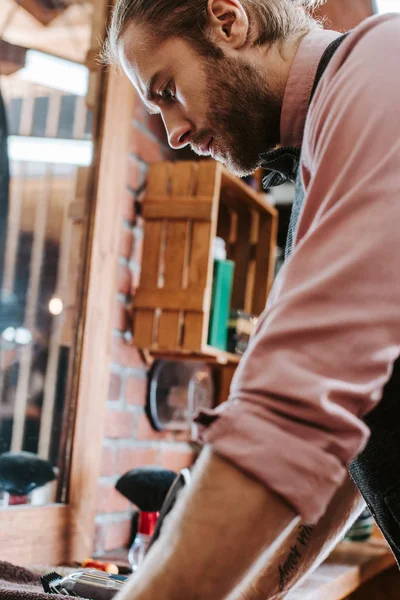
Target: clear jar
{"x": 138, "y": 550}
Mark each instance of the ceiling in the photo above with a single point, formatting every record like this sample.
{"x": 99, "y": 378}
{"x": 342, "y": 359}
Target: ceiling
{"x": 67, "y": 35}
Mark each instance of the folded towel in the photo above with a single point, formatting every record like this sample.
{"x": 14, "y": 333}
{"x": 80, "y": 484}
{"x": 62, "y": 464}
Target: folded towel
{"x": 18, "y": 583}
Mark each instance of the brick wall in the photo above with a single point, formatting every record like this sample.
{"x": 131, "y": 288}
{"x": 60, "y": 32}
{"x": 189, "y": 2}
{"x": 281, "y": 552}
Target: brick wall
{"x": 129, "y": 441}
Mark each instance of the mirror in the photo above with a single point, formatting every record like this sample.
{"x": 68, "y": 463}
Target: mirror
{"x": 45, "y": 157}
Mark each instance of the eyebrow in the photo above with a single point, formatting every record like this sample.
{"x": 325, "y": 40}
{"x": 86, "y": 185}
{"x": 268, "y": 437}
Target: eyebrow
{"x": 149, "y": 89}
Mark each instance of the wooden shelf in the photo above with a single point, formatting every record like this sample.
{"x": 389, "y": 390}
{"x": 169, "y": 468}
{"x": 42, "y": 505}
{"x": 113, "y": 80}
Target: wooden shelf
{"x": 186, "y": 206}
{"x": 240, "y": 194}
{"x": 352, "y": 566}
{"x": 208, "y": 354}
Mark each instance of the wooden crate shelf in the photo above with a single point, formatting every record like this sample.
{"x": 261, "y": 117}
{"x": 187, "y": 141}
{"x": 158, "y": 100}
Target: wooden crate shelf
{"x": 187, "y": 204}
{"x": 207, "y": 354}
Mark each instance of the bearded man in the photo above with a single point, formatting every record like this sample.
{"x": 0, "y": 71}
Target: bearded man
{"x": 317, "y": 393}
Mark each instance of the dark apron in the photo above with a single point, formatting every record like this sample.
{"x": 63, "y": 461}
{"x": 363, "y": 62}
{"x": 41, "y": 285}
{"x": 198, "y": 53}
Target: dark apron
{"x": 4, "y": 186}
{"x": 376, "y": 471}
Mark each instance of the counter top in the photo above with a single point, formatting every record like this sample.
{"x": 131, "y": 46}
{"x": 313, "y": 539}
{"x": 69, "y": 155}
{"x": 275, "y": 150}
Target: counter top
{"x": 350, "y": 565}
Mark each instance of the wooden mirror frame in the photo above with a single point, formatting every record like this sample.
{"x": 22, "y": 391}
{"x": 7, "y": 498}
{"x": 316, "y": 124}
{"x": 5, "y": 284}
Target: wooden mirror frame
{"x": 60, "y": 533}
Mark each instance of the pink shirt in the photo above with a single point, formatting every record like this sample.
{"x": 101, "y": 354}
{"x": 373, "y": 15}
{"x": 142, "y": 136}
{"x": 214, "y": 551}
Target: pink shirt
{"x": 325, "y": 346}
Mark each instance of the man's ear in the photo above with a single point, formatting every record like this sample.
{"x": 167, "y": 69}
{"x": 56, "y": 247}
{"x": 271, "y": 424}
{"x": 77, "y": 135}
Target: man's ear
{"x": 228, "y": 24}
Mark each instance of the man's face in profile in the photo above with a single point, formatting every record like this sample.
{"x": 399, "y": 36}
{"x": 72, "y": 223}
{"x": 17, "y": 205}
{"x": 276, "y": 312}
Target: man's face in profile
{"x": 220, "y": 106}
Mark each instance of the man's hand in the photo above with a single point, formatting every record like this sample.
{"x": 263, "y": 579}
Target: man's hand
{"x": 220, "y": 526}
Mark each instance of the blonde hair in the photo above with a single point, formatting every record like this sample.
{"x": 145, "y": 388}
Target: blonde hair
{"x": 274, "y": 20}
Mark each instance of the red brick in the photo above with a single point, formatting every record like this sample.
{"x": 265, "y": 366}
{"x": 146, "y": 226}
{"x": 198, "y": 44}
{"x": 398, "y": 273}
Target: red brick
{"x": 124, "y": 279}
{"x": 144, "y": 430}
{"x": 128, "y": 211}
{"x": 136, "y": 390}
{"x": 144, "y": 146}
{"x": 175, "y": 459}
{"x": 108, "y": 461}
{"x": 117, "y": 535}
{"x": 119, "y": 424}
{"x": 121, "y": 318}
{"x": 126, "y": 243}
{"x": 131, "y": 458}
{"x": 138, "y": 251}
{"x": 111, "y": 501}
{"x": 135, "y": 177}
{"x": 125, "y": 354}
{"x": 114, "y": 388}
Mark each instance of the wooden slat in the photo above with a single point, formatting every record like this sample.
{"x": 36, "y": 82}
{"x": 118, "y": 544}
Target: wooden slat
{"x": 241, "y": 257}
{"x": 193, "y": 331}
{"x": 237, "y": 193}
{"x": 53, "y": 114}
{"x": 265, "y": 261}
{"x": 92, "y": 363}
{"x": 188, "y": 299}
{"x": 25, "y": 123}
{"x": 177, "y": 238}
{"x": 177, "y": 174}
{"x": 13, "y": 228}
{"x": 60, "y": 534}
{"x": 201, "y": 257}
{"x": 144, "y": 321}
{"x": 225, "y": 376}
{"x": 80, "y": 116}
{"x": 39, "y": 534}
{"x": 173, "y": 209}
{"x": 67, "y": 279}
{"x": 21, "y": 394}
{"x": 251, "y": 270}
{"x": 224, "y": 224}
{"x": 143, "y": 328}
{"x": 76, "y": 210}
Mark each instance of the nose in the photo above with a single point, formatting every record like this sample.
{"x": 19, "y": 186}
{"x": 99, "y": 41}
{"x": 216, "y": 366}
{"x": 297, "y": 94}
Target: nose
{"x": 179, "y": 132}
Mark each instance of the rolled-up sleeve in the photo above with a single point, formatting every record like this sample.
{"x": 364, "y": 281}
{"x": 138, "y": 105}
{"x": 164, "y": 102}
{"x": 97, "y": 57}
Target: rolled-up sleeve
{"x": 325, "y": 346}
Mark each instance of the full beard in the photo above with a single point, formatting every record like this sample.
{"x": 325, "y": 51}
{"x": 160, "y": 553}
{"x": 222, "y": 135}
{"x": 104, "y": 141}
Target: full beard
{"x": 243, "y": 115}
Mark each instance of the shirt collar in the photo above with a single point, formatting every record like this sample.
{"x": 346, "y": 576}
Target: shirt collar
{"x": 299, "y": 85}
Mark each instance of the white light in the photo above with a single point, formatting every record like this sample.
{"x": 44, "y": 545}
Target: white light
{"x": 55, "y": 306}
{"x": 55, "y": 73}
{"x": 387, "y": 6}
{"x": 50, "y": 150}
{"x": 8, "y": 334}
{"x": 23, "y": 336}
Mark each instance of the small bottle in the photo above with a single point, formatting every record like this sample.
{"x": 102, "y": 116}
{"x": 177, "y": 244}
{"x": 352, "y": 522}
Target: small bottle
{"x": 138, "y": 550}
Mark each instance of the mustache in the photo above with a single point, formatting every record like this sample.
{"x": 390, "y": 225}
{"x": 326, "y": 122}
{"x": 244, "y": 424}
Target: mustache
{"x": 200, "y": 138}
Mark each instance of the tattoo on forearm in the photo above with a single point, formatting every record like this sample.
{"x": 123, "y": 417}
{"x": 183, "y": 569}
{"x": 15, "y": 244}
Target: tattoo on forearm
{"x": 289, "y": 566}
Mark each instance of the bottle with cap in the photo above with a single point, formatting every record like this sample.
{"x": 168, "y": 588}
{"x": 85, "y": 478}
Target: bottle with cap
{"x": 137, "y": 552}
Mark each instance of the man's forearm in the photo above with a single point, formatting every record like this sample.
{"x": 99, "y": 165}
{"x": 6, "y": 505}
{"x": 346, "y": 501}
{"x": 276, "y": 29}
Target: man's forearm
{"x": 302, "y": 551}
{"x": 222, "y": 523}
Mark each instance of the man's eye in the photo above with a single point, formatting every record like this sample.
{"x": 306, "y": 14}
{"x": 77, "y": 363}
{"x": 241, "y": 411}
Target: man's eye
{"x": 167, "y": 94}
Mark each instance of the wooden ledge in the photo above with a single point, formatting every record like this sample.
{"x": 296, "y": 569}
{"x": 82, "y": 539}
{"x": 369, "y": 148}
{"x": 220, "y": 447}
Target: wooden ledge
{"x": 350, "y": 565}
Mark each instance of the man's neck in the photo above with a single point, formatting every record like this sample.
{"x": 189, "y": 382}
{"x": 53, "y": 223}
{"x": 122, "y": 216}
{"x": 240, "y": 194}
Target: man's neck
{"x": 276, "y": 62}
